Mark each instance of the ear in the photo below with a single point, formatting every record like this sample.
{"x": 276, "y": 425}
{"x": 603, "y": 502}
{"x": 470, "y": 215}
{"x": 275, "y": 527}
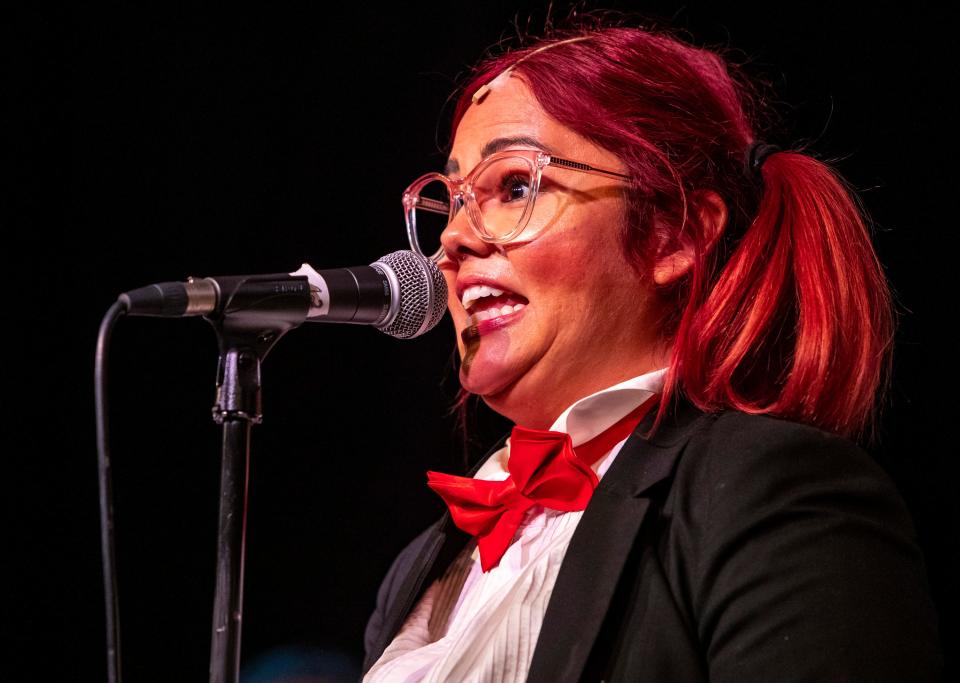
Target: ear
{"x": 711, "y": 214}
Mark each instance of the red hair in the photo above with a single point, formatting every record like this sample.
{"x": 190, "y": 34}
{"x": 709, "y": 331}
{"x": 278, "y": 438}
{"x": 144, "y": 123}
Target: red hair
{"x": 788, "y": 313}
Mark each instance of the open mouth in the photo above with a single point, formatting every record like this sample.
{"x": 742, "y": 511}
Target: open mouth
{"x": 484, "y": 302}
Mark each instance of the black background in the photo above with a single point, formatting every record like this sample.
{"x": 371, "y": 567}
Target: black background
{"x": 152, "y": 144}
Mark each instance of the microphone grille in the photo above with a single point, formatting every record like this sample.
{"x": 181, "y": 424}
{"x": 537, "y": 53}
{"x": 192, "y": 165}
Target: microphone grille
{"x": 423, "y": 294}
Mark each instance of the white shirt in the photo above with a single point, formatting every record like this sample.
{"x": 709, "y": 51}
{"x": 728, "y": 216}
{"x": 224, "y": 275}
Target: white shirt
{"x": 472, "y": 626}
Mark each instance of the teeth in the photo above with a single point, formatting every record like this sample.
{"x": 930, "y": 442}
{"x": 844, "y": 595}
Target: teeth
{"x": 475, "y": 292}
{"x": 480, "y": 316}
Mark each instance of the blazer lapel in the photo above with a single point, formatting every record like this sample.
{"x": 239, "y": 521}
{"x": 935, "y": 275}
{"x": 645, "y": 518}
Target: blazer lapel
{"x": 409, "y": 586}
{"x": 437, "y": 549}
{"x": 600, "y": 545}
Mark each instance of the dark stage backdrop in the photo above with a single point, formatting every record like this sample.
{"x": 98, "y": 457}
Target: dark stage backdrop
{"x": 153, "y": 144}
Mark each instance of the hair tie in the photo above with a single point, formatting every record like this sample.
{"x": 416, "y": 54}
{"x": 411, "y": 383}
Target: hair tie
{"x": 757, "y": 154}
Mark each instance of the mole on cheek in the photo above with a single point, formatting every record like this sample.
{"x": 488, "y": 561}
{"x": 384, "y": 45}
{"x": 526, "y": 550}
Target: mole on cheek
{"x": 471, "y": 342}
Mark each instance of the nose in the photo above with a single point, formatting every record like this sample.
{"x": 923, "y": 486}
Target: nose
{"x": 460, "y": 240}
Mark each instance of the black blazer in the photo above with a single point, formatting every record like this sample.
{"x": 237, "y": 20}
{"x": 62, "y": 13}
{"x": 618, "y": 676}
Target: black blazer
{"x": 728, "y": 547}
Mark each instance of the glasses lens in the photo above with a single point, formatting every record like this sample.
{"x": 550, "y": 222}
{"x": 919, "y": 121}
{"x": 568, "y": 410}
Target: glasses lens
{"x": 430, "y": 215}
{"x": 503, "y": 192}
{"x": 504, "y": 189}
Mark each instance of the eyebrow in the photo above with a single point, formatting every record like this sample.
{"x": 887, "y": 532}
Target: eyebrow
{"x": 496, "y": 145}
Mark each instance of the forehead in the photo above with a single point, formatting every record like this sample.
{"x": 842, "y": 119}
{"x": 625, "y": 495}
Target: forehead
{"x": 508, "y": 112}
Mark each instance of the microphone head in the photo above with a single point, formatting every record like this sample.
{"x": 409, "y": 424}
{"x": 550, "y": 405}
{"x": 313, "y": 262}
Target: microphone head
{"x": 419, "y": 290}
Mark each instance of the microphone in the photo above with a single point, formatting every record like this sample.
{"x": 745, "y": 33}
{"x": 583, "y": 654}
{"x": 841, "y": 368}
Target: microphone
{"x": 401, "y": 294}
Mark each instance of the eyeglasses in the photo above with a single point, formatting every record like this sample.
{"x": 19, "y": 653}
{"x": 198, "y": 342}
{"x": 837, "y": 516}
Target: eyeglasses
{"x": 498, "y": 195}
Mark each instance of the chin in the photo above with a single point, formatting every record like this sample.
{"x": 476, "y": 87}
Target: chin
{"x": 505, "y": 388}
{"x": 499, "y": 365}
{"x": 484, "y": 380}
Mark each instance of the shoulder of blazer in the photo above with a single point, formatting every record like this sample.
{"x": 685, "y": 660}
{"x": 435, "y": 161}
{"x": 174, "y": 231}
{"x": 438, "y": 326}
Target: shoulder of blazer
{"x": 784, "y": 528}
{"x": 751, "y": 451}
{"x": 702, "y": 460}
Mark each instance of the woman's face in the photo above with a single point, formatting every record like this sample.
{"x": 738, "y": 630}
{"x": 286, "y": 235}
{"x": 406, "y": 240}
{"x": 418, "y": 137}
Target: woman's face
{"x": 573, "y": 316}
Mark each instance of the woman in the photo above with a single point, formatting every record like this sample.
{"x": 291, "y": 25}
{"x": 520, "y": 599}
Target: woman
{"x": 687, "y": 325}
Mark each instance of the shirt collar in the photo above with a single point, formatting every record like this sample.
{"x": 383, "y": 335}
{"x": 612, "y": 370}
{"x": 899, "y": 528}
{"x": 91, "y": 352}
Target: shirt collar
{"x": 589, "y": 416}
{"x": 592, "y": 414}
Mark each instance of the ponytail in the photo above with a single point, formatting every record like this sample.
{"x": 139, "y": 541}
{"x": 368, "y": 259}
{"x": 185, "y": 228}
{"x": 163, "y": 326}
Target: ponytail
{"x": 799, "y": 322}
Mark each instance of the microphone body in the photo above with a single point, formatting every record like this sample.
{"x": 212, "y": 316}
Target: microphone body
{"x": 402, "y": 294}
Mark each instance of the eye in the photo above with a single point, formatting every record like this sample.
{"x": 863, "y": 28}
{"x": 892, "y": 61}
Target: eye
{"x": 514, "y": 187}
{"x": 505, "y": 182}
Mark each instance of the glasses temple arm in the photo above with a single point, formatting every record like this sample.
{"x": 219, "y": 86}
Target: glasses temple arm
{"x": 577, "y": 166}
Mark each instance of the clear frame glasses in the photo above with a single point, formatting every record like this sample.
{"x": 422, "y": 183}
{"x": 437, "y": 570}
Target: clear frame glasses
{"x": 498, "y": 195}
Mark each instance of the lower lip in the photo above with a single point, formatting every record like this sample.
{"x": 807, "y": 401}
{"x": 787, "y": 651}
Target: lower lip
{"x": 491, "y": 325}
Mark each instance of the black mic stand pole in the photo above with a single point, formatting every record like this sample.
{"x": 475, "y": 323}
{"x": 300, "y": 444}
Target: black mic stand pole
{"x": 257, "y": 312}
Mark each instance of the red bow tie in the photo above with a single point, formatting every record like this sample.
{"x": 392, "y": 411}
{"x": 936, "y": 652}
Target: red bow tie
{"x": 544, "y": 470}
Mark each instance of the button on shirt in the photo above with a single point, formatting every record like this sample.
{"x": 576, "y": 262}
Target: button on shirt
{"x": 472, "y": 626}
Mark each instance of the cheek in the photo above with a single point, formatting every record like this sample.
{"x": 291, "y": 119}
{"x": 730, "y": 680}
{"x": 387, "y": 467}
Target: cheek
{"x": 566, "y": 275}
{"x": 582, "y": 288}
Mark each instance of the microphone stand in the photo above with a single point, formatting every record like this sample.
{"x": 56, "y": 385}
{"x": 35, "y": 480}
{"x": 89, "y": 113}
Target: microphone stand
{"x": 257, "y": 312}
